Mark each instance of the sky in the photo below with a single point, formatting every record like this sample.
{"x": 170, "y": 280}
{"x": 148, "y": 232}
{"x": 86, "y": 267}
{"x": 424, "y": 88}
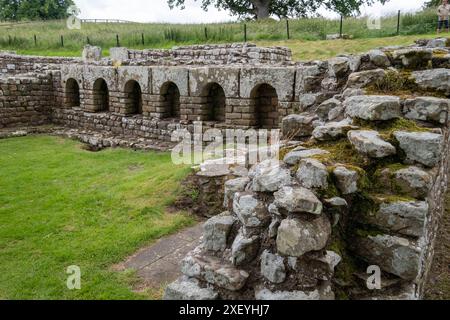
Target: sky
{"x": 159, "y": 11}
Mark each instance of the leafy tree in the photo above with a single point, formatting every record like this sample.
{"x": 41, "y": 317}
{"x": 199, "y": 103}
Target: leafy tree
{"x": 9, "y": 9}
{"x": 261, "y": 9}
{"x": 34, "y": 9}
{"x": 432, "y": 3}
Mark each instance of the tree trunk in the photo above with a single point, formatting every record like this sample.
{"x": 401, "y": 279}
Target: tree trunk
{"x": 261, "y": 8}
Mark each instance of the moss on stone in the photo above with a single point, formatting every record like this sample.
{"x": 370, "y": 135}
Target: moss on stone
{"x": 388, "y": 127}
{"x": 390, "y": 198}
{"x": 439, "y": 53}
{"x": 363, "y": 204}
{"x": 385, "y": 182}
{"x": 345, "y": 270}
{"x": 332, "y": 190}
{"x": 340, "y": 151}
{"x": 364, "y": 233}
{"x": 394, "y": 167}
{"x": 401, "y": 84}
{"x": 284, "y": 151}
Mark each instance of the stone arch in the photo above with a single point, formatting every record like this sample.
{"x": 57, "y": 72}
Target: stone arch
{"x": 264, "y": 102}
{"x": 101, "y": 95}
{"x": 133, "y": 97}
{"x": 72, "y": 93}
{"x": 215, "y": 102}
{"x": 170, "y": 100}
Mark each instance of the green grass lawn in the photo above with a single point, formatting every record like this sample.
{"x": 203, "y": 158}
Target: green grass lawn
{"x": 61, "y": 205}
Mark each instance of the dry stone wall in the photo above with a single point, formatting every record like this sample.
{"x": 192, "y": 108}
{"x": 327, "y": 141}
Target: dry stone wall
{"x": 359, "y": 189}
{"x": 206, "y": 55}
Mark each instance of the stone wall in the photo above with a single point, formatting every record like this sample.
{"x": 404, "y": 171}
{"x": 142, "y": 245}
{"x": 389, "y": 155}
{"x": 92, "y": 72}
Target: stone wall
{"x": 11, "y": 63}
{"x": 206, "y": 54}
{"x": 26, "y": 100}
{"x": 238, "y": 93}
{"x": 139, "y": 127}
{"x": 360, "y": 190}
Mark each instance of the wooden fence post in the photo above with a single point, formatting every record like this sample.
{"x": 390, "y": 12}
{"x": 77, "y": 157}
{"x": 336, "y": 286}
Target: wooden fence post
{"x": 287, "y": 29}
{"x": 245, "y": 32}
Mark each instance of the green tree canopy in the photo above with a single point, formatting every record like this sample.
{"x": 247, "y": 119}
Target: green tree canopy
{"x": 34, "y": 9}
{"x": 432, "y": 3}
{"x": 261, "y": 9}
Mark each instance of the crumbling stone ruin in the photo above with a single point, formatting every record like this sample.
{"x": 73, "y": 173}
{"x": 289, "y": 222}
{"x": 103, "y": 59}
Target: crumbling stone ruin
{"x": 359, "y": 184}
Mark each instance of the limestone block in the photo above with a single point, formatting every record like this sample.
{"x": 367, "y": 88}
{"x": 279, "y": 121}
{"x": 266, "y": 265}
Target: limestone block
{"x": 297, "y": 237}
{"x": 216, "y": 231}
{"x": 213, "y": 270}
{"x": 91, "y": 53}
{"x": 370, "y": 143}
{"x": 365, "y": 78}
{"x": 282, "y": 79}
{"x": 433, "y": 79}
{"x": 294, "y": 157}
{"x": 395, "y": 255}
{"x": 251, "y": 212}
{"x": 186, "y": 288}
{"x": 244, "y": 249}
{"x": 298, "y": 200}
{"x": 347, "y": 180}
{"x": 422, "y": 147}
{"x": 141, "y": 75}
{"x": 226, "y": 77}
{"x": 427, "y": 109}
{"x": 373, "y": 107}
{"x": 269, "y": 176}
{"x": 177, "y": 75}
{"x": 312, "y": 174}
{"x": 272, "y": 267}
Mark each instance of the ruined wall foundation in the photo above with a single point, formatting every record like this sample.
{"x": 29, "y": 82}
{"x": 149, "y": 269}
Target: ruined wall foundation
{"x": 359, "y": 183}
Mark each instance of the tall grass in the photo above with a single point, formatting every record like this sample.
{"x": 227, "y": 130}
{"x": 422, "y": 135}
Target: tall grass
{"x": 157, "y": 35}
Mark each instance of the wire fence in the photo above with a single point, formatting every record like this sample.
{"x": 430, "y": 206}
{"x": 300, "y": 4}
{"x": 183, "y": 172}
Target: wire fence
{"x": 109, "y": 33}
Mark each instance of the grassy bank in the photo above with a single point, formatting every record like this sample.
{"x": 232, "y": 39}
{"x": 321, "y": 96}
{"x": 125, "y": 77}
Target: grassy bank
{"x": 301, "y": 49}
{"x": 61, "y": 205}
{"x": 324, "y": 49}
{"x": 134, "y": 35}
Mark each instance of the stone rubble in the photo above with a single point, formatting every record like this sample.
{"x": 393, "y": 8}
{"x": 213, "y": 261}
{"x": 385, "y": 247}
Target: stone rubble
{"x": 420, "y": 147}
{"x": 302, "y": 220}
{"x": 370, "y": 143}
{"x": 373, "y": 107}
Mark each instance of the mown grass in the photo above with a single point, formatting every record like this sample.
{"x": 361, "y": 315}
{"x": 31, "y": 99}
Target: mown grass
{"x": 48, "y": 34}
{"x": 61, "y": 205}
